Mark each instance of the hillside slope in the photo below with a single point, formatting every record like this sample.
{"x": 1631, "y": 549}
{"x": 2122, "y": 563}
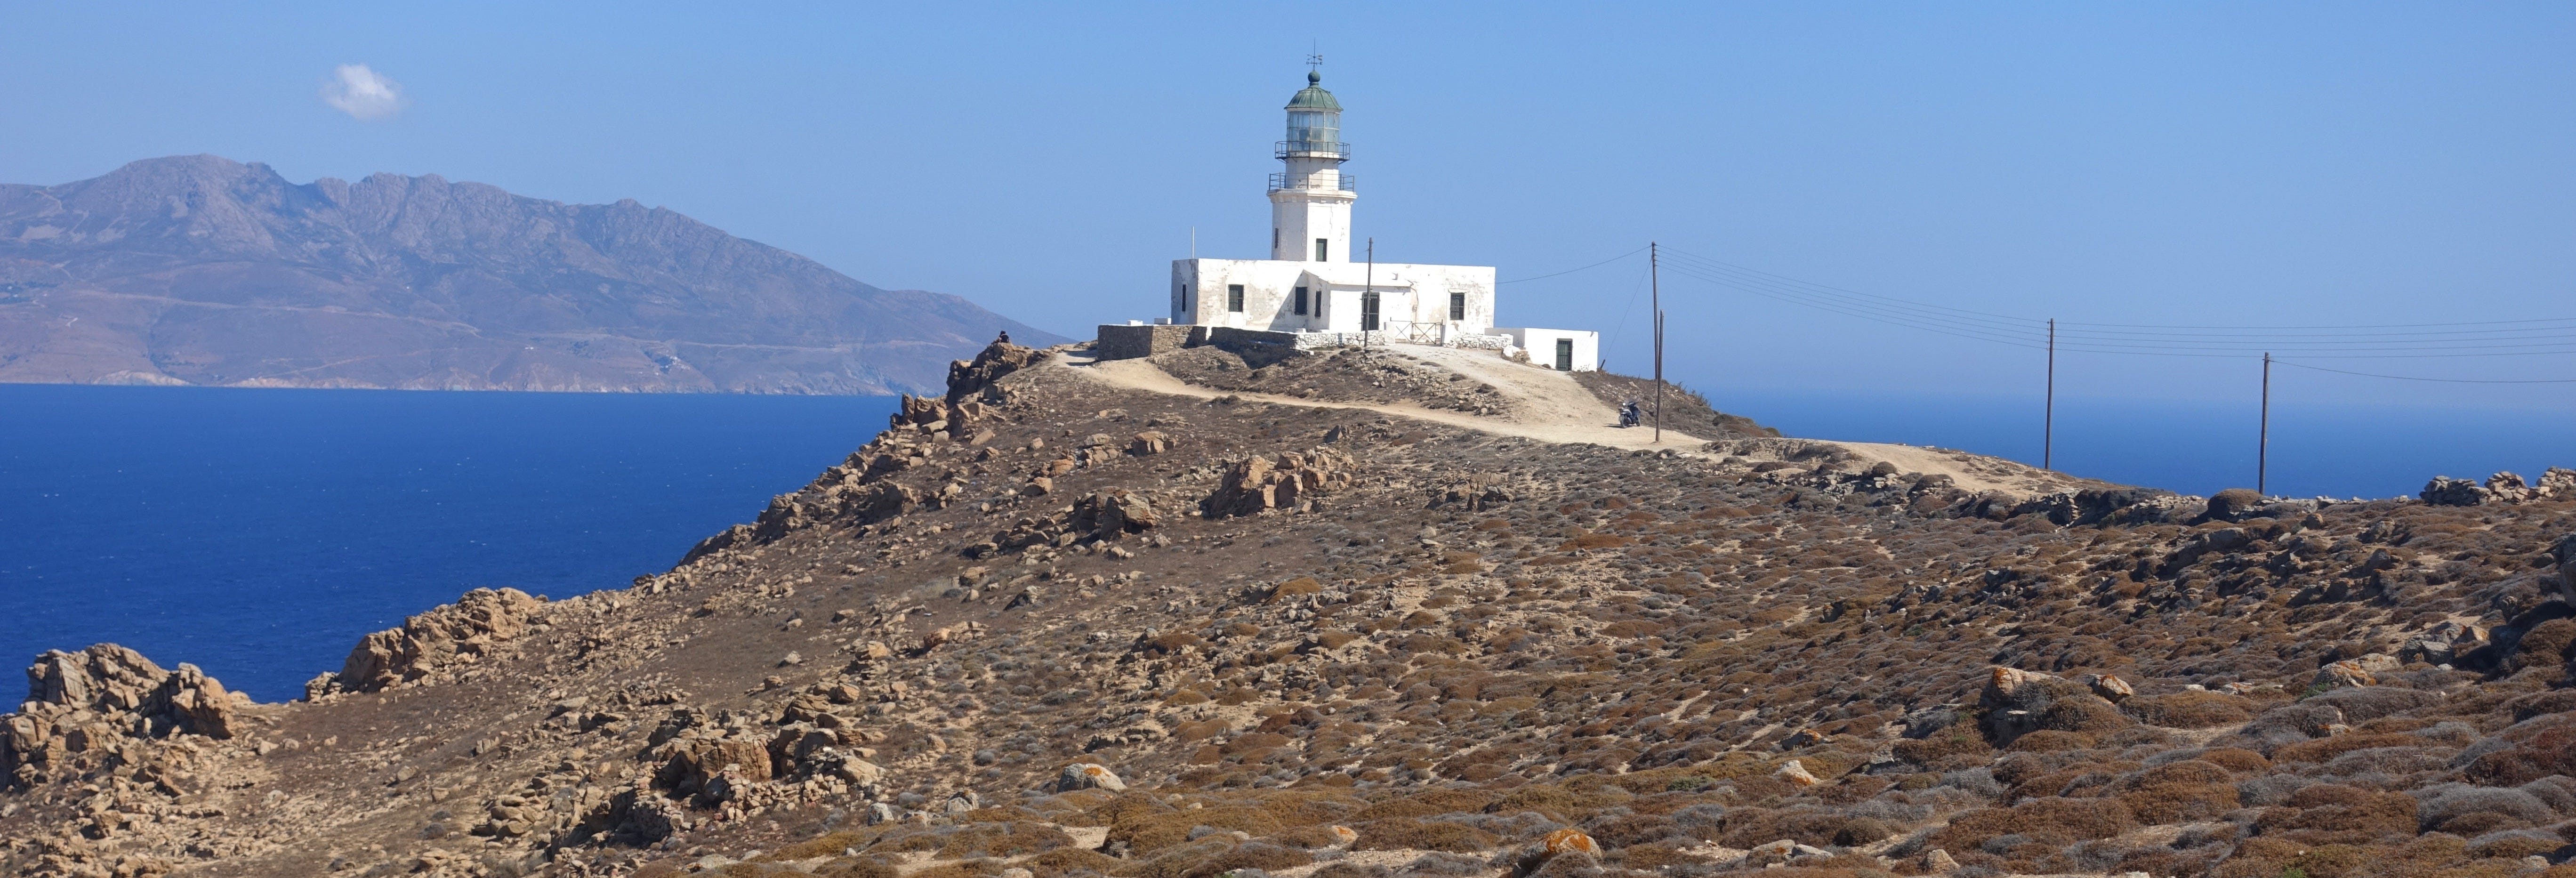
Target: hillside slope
{"x": 201, "y": 270}
{"x": 1052, "y": 622}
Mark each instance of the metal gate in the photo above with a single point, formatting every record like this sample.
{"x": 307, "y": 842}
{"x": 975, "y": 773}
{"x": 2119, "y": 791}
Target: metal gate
{"x": 1415, "y": 331}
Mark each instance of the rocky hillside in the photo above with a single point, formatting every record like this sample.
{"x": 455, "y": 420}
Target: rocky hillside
{"x": 201, "y": 270}
{"x": 1048, "y": 627}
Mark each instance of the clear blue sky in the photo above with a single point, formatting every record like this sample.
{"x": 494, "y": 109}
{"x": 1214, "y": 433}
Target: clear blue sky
{"x": 2238, "y": 164}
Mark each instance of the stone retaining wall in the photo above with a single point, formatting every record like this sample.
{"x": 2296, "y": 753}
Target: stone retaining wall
{"x": 1128, "y": 342}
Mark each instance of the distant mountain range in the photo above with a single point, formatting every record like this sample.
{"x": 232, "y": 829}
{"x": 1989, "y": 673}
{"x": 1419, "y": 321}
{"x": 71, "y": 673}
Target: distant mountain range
{"x": 203, "y": 270}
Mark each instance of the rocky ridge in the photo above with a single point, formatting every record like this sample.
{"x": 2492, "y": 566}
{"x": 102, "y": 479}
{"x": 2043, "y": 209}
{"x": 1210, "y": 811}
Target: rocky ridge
{"x": 1043, "y": 625}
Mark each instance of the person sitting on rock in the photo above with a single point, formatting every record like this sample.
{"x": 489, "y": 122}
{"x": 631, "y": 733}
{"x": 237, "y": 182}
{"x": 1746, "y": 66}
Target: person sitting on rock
{"x": 1004, "y": 339}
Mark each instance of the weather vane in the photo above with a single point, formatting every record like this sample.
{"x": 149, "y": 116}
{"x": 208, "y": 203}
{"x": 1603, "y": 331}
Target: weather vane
{"x": 1315, "y": 60}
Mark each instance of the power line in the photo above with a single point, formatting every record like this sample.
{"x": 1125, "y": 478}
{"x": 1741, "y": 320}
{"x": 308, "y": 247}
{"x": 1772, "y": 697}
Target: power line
{"x": 2442, "y": 380}
{"x": 1573, "y": 270}
{"x": 2543, "y": 335}
{"x": 2490, "y": 338}
{"x": 1631, "y": 306}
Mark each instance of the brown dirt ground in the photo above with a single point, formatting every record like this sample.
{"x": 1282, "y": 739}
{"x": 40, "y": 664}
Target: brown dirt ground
{"x": 1482, "y": 638}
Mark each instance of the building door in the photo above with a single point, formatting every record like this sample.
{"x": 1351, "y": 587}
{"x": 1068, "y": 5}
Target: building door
{"x": 1368, "y": 311}
{"x": 1565, "y": 355}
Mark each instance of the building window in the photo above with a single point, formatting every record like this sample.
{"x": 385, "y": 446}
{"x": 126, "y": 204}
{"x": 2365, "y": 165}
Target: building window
{"x": 1234, "y": 297}
{"x": 1301, "y": 300}
{"x": 1457, "y": 306}
{"x": 1323, "y": 249}
{"x": 1274, "y": 239}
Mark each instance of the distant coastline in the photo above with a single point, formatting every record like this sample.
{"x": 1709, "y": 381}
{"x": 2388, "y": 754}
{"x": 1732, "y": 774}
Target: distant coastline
{"x": 203, "y": 271}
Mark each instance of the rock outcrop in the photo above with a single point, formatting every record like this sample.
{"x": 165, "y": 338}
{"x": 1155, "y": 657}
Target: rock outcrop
{"x": 1111, "y": 514}
{"x": 83, "y": 705}
{"x": 1256, "y": 484}
{"x": 1088, "y": 776}
{"x": 2015, "y": 703}
{"x": 968, "y": 379}
{"x": 461, "y": 632}
{"x": 2505, "y": 487}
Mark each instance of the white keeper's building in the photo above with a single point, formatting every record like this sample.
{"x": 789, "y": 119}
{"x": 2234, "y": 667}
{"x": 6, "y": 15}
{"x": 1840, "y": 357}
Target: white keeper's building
{"x": 1316, "y": 282}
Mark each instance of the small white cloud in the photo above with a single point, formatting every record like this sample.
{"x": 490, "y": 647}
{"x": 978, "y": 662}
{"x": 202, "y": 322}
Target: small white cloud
{"x": 362, "y": 93}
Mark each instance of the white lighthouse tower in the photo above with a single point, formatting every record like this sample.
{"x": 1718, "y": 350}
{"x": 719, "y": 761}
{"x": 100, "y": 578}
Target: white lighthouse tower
{"x": 1310, "y": 201}
{"x": 1314, "y": 291}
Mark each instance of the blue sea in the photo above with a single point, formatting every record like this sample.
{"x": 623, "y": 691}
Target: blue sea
{"x": 2339, "y": 451}
{"x": 260, "y": 533}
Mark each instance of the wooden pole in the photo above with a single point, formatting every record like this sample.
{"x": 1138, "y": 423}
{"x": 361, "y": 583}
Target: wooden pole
{"x": 1654, "y": 269}
{"x": 2048, "y": 418}
{"x": 2263, "y": 446}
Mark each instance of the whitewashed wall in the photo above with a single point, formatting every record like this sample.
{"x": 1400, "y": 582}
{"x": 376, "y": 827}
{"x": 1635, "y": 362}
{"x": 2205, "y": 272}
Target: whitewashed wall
{"x": 1541, "y": 344}
{"x": 1406, "y": 292}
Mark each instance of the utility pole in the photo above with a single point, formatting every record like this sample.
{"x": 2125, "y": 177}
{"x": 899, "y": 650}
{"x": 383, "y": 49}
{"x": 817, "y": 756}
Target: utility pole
{"x": 1655, "y": 273}
{"x": 2263, "y": 447}
{"x": 2048, "y": 417}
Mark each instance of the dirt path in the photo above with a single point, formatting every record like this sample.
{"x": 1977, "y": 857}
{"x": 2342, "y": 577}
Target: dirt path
{"x": 1551, "y": 407}
{"x": 1548, "y": 414}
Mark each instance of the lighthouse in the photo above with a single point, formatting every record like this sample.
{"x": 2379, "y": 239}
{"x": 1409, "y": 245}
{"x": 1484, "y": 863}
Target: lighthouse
{"x": 1319, "y": 288}
{"x": 1310, "y": 201}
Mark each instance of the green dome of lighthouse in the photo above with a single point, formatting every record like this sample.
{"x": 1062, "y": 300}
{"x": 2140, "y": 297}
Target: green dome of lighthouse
{"x": 1313, "y": 96}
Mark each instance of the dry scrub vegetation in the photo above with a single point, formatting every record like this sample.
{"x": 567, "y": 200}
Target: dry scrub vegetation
{"x": 1452, "y": 649}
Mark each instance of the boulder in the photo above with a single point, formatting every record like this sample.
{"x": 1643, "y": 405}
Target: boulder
{"x": 2443, "y": 644}
{"x": 1110, "y": 514}
{"x": 2361, "y": 671}
{"x": 1796, "y": 773}
{"x": 1939, "y": 862}
{"x": 1149, "y": 442}
{"x": 913, "y": 411}
{"x": 2507, "y": 487}
{"x": 1258, "y": 484}
{"x": 427, "y": 641}
{"x": 850, "y": 767}
{"x": 2447, "y": 491}
{"x": 1001, "y": 358}
{"x": 2559, "y": 483}
{"x": 1088, "y": 775}
{"x": 2110, "y": 688}
{"x": 700, "y": 765}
